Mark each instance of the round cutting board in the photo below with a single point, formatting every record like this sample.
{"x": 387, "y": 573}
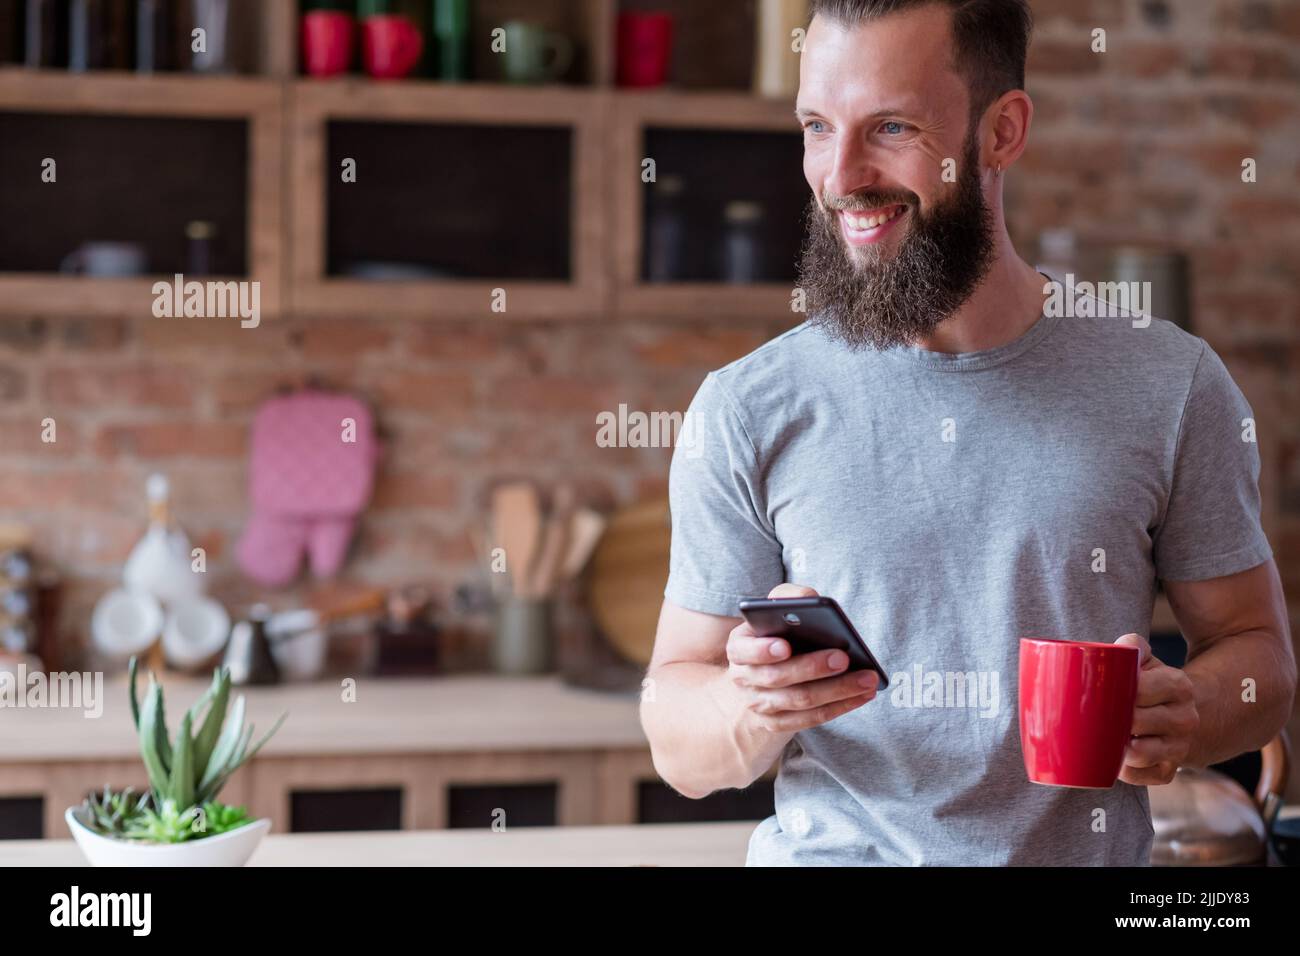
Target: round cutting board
{"x": 628, "y": 574}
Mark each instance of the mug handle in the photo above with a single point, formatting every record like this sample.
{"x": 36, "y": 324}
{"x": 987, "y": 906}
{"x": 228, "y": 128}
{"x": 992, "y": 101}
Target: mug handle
{"x": 561, "y": 49}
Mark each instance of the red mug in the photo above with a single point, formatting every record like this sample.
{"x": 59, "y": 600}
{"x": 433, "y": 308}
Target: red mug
{"x": 1076, "y": 710}
{"x": 645, "y": 48}
{"x": 390, "y": 45}
{"x": 326, "y": 42}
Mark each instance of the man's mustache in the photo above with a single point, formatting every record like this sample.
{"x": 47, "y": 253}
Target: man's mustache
{"x": 861, "y": 202}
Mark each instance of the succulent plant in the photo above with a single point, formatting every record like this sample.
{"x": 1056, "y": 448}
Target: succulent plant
{"x": 112, "y": 814}
{"x": 192, "y": 772}
{"x": 169, "y": 824}
{"x": 219, "y": 818}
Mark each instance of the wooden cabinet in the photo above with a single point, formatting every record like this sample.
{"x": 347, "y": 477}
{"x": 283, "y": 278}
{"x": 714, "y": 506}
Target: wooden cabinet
{"x": 500, "y": 190}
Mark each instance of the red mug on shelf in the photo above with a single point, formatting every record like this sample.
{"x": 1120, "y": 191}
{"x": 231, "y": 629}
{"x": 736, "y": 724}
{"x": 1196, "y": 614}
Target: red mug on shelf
{"x": 645, "y": 48}
{"x": 1076, "y": 710}
{"x": 327, "y": 42}
{"x": 390, "y": 46}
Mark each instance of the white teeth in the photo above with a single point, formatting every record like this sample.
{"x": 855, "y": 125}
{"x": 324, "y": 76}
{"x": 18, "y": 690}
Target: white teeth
{"x": 862, "y": 223}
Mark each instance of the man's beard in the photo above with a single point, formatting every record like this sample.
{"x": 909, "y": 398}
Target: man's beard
{"x": 884, "y": 300}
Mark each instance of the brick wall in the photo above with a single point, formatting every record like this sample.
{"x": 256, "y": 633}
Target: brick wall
{"x": 1145, "y": 140}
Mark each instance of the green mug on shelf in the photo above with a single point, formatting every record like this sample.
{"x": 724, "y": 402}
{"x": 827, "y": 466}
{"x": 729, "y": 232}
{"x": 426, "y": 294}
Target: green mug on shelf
{"x": 533, "y": 54}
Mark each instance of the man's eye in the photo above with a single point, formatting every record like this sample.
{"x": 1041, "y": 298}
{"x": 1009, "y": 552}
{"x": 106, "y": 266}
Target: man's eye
{"x": 892, "y": 128}
{"x": 816, "y": 126}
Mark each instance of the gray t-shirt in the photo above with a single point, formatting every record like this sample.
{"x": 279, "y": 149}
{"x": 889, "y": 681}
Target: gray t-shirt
{"x": 952, "y": 504}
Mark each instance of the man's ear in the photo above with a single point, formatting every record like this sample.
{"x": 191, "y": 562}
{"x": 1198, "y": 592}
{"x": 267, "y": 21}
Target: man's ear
{"x": 1007, "y": 125}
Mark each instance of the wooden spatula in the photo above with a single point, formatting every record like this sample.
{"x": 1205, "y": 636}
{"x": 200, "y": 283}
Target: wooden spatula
{"x": 588, "y": 526}
{"x": 555, "y": 543}
{"x": 517, "y": 519}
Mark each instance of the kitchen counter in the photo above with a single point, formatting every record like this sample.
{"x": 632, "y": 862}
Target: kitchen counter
{"x": 465, "y": 713}
{"x": 688, "y": 844}
{"x": 428, "y": 738}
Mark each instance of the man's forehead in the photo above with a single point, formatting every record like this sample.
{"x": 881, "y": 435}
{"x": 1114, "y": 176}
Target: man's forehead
{"x": 898, "y": 61}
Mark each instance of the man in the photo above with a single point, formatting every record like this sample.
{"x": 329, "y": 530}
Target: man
{"x": 959, "y": 466}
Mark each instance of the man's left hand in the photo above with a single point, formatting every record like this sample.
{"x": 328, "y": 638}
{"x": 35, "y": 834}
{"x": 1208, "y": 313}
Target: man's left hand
{"x": 1165, "y": 720}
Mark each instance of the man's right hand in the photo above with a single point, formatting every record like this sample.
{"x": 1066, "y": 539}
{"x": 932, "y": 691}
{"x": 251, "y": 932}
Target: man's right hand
{"x": 784, "y": 694}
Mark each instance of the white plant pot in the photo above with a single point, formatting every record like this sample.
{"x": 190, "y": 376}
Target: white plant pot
{"x": 224, "y": 849}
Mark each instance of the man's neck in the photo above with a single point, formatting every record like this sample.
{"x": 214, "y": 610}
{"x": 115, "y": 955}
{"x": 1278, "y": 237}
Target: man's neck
{"x": 1004, "y": 307}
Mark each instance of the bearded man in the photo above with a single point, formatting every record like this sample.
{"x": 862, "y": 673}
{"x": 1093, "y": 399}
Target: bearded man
{"x": 959, "y": 467}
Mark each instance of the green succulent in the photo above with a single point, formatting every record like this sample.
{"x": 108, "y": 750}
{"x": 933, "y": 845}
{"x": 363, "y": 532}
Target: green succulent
{"x": 112, "y": 814}
{"x": 192, "y": 772}
{"x": 174, "y": 825}
{"x": 168, "y": 825}
{"x": 220, "y": 818}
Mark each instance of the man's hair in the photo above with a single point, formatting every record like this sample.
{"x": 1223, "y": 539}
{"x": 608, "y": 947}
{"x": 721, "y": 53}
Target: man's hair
{"x": 990, "y": 38}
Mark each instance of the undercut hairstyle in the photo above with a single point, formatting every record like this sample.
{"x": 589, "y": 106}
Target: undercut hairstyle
{"x": 990, "y": 39}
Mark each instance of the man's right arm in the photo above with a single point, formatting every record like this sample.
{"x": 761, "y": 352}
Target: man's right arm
{"x": 721, "y": 703}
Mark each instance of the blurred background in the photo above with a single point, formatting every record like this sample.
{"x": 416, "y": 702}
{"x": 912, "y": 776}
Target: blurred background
{"x": 481, "y": 229}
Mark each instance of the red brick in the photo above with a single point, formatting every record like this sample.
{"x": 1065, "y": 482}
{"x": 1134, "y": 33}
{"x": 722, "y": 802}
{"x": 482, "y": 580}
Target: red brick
{"x": 1064, "y": 56}
{"x": 22, "y": 436}
{"x": 48, "y": 490}
{"x": 1145, "y": 59}
{"x": 1089, "y": 13}
{"x": 1260, "y": 211}
{"x": 243, "y": 389}
{"x": 23, "y": 335}
{"x": 415, "y": 490}
{"x": 341, "y": 337}
{"x": 208, "y": 335}
{"x": 456, "y": 343}
{"x": 415, "y": 390}
{"x": 692, "y": 349}
{"x": 1251, "y": 62}
{"x": 542, "y": 396}
{"x": 172, "y": 439}
{"x": 1255, "y": 110}
{"x": 98, "y": 334}
{"x": 96, "y": 386}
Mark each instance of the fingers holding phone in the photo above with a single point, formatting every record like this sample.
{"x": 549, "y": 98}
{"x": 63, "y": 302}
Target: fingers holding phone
{"x": 788, "y": 685}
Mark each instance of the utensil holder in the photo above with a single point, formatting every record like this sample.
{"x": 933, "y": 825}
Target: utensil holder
{"x": 522, "y": 641}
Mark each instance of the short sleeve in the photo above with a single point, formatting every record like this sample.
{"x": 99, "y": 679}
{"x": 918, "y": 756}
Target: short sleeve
{"x": 723, "y": 547}
{"x": 1211, "y": 524}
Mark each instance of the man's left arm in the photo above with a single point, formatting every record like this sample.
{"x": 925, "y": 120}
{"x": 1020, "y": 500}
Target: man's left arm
{"x": 1237, "y": 688}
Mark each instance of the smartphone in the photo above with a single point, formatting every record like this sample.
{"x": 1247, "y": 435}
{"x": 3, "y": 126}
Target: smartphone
{"x": 811, "y": 624}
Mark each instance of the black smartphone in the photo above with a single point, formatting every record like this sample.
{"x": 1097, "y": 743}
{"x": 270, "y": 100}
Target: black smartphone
{"x": 812, "y": 624}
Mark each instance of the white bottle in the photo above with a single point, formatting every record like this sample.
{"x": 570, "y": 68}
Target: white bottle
{"x": 160, "y": 562}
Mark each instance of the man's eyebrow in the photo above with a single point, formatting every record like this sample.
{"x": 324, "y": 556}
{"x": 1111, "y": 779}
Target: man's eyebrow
{"x": 802, "y": 112}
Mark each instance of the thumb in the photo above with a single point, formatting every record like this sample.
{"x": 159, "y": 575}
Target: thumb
{"x": 791, "y": 591}
{"x": 1138, "y": 641}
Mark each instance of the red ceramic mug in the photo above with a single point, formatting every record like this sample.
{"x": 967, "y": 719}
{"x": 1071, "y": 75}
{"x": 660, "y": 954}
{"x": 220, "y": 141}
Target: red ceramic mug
{"x": 1076, "y": 710}
{"x": 390, "y": 45}
{"x": 326, "y": 42}
{"x": 645, "y": 48}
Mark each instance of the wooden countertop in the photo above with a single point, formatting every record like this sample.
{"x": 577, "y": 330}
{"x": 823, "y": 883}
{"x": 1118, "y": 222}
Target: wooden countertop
{"x": 661, "y": 844}
{"x": 460, "y": 713}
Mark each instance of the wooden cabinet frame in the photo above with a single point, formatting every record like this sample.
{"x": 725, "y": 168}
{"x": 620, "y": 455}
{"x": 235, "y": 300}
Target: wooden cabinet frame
{"x": 257, "y": 101}
{"x": 683, "y": 300}
{"x": 315, "y": 103}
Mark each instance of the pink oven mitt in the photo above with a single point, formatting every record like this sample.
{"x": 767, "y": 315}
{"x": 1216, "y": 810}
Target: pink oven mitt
{"x": 310, "y": 475}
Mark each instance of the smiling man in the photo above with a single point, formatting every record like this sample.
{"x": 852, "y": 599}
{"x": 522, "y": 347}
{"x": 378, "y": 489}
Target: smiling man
{"x": 959, "y": 466}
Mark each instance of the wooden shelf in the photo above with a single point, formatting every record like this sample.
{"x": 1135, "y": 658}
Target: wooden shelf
{"x": 286, "y": 217}
{"x": 257, "y": 101}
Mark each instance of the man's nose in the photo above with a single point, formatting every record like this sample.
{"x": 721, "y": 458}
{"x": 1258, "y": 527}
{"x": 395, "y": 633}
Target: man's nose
{"x": 854, "y": 169}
